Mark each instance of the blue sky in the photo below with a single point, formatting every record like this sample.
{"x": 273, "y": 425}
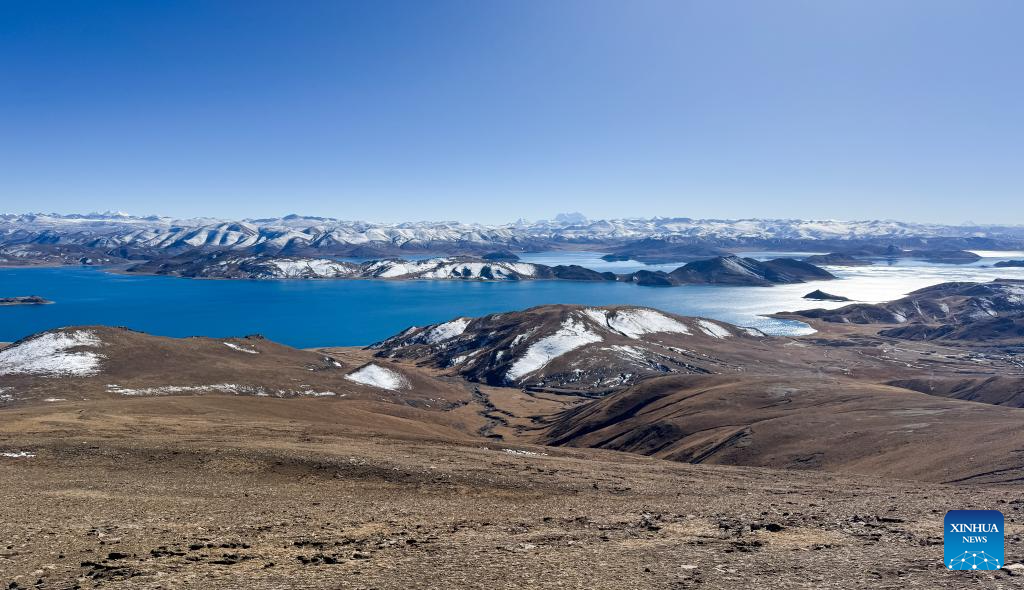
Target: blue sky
{"x": 497, "y": 109}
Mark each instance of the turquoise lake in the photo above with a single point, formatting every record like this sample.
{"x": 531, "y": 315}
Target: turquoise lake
{"x": 357, "y": 312}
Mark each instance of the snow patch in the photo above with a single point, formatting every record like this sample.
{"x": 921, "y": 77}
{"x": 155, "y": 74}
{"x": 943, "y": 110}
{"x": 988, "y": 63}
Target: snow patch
{"x": 312, "y": 393}
{"x": 599, "y": 316}
{"x": 570, "y": 336}
{"x": 17, "y": 454}
{"x": 378, "y": 376}
{"x": 736, "y": 266}
{"x": 480, "y": 270}
{"x": 47, "y": 354}
{"x": 463, "y": 358}
{"x": 630, "y": 353}
{"x": 712, "y": 329}
{"x": 312, "y": 268}
{"x": 445, "y": 331}
{"x": 523, "y": 453}
{"x": 234, "y": 346}
{"x": 634, "y": 323}
{"x": 522, "y": 337}
{"x": 215, "y": 388}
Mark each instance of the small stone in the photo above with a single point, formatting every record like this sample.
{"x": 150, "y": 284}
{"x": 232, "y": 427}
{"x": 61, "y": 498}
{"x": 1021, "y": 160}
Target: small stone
{"x": 1013, "y": 569}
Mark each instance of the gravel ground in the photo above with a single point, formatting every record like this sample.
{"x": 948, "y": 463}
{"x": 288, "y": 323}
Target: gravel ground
{"x": 191, "y": 503}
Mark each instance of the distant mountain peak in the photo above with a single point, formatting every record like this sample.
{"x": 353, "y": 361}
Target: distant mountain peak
{"x": 575, "y": 218}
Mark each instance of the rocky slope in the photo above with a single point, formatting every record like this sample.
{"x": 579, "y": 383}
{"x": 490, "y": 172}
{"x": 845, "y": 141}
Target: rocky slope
{"x": 594, "y": 351}
{"x": 588, "y": 350}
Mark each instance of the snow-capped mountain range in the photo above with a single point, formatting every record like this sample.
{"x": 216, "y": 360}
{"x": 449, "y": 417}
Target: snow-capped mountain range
{"x": 294, "y": 233}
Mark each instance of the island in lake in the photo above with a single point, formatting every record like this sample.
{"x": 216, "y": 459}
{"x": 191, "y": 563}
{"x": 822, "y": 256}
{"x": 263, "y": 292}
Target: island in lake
{"x": 25, "y": 300}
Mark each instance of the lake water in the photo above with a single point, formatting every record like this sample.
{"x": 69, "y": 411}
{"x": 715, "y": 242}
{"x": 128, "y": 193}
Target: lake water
{"x": 356, "y": 312}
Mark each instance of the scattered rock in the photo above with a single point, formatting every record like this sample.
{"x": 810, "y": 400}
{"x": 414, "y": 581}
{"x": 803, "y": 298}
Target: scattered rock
{"x": 1013, "y": 569}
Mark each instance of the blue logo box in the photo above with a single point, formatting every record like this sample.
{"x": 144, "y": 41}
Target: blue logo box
{"x": 973, "y": 540}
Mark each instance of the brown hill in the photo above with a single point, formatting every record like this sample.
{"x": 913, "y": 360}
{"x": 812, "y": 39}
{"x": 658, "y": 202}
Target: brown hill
{"x": 1000, "y": 390}
{"x": 89, "y": 362}
{"x": 836, "y": 425}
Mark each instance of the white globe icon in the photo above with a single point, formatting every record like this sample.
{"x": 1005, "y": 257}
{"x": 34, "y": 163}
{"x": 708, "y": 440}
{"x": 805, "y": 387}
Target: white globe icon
{"x": 970, "y": 560}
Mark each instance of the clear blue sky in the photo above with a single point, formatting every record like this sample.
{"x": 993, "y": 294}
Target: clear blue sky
{"x": 490, "y": 110}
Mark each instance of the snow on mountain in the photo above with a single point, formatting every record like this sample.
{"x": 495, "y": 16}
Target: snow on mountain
{"x": 445, "y": 331}
{"x": 239, "y": 265}
{"x": 569, "y": 337}
{"x": 112, "y": 230}
{"x": 378, "y": 376}
{"x": 636, "y": 322}
{"x": 475, "y": 270}
{"x": 568, "y": 347}
{"x": 240, "y": 348}
{"x": 314, "y": 268}
{"x": 50, "y": 354}
{"x": 712, "y": 329}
